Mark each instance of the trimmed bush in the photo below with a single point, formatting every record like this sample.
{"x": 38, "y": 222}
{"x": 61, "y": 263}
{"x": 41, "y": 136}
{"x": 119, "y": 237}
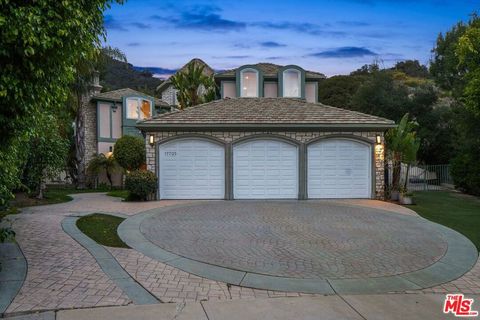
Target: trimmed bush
{"x": 141, "y": 184}
{"x": 129, "y": 152}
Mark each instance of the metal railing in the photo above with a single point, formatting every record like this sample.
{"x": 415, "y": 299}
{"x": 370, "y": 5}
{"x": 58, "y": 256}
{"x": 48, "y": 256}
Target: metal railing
{"x": 422, "y": 177}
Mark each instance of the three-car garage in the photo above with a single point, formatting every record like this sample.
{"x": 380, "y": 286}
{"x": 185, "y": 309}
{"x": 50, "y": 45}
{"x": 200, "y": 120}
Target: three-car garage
{"x": 260, "y": 168}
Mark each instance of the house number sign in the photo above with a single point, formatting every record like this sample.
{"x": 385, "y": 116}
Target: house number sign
{"x": 170, "y": 153}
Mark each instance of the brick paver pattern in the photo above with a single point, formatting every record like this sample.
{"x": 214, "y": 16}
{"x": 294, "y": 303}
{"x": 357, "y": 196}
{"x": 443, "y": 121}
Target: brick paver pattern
{"x": 62, "y": 274}
{"x": 307, "y": 239}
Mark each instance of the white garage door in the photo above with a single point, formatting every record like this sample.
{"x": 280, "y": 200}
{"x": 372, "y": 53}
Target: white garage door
{"x": 265, "y": 169}
{"x": 192, "y": 169}
{"x": 339, "y": 168}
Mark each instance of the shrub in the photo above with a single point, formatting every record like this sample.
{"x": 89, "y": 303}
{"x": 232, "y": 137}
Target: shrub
{"x": 141, "y": 184}
{"x": 129, "y": 152}
{"x": 465, "y": 171}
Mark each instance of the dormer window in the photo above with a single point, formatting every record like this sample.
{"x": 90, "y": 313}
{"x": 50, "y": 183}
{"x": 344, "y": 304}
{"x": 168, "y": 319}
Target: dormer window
{"x": 292, "y": 83}
{"x": 249, "y": 83}
{"x": 138, "y": 108}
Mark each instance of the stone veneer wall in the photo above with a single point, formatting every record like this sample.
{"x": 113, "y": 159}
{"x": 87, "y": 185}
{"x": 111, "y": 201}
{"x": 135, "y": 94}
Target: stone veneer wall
{"x": 302, "y": 137}
{"x": 168, "y": 95}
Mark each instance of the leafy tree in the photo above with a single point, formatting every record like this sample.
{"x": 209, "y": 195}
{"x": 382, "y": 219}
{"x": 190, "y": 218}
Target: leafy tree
{"x": 129, "y": 151}
{"x": 380, "y": 95}
{"x": 40, "y": 42}
{"x": 194, "y": 87}
{"x": 466, "y": 165}
{"x": 46, "y": 157}
{"x": 104, "y": 163}
{"x": 337, "y": 91}
{"x": 412, "y": 68}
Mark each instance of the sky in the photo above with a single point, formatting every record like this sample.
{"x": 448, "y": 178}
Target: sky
{"x": 332, "y": 37}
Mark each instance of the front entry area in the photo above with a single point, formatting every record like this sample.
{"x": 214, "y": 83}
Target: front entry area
{"x": 191, "y": 169}
{"x": 339, "y": 168}
{"x": 265, "y": 169}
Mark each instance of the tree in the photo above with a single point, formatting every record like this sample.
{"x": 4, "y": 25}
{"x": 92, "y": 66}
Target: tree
{"x": 402, "y": 147}
{"x": 466, "y": 165}
{"x": 412, "y": 68}
{"x": 337, "y": 91}
{"x": 129, "y": 152}
{"x": 40, "y": 42}
{"x": 380, "y": 95}
{"x": 47, "y": 155}
{"x": 194, "y": 87}
{"x": 104, "y": 163}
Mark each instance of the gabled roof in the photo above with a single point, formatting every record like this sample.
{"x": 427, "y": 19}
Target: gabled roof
{"x": 270, "y": 70}
{"x": 264, "y": 112}
{"x": 117, "y": 96}
{"x": 207, "y": 70}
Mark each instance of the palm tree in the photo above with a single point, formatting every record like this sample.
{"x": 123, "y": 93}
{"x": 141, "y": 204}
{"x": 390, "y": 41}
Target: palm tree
{"x": 102, "y": 163}
{"x": 193, "y": 86}
{"x": 402, "y": 147}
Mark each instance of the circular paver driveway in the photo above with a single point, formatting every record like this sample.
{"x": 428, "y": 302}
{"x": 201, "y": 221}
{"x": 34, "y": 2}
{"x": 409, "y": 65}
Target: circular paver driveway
{"x": 315, "y": 243}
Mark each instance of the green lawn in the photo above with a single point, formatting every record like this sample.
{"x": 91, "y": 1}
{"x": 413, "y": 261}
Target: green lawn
{"x": 454, "y": 210}
{"x": 118, "y": 193}
{"x": 102, "y": 228}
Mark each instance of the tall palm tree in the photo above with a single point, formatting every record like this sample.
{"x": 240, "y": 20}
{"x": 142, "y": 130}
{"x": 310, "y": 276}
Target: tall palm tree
{"x": 193, "y": 86}
{"x": 402, "y": 147}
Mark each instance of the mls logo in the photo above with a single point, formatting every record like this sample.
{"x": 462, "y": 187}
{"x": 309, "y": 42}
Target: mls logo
{"x": 459, "y": 306}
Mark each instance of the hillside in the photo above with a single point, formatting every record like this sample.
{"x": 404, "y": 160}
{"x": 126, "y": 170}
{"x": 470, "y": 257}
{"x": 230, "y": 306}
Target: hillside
{"x": 117, "y": 75}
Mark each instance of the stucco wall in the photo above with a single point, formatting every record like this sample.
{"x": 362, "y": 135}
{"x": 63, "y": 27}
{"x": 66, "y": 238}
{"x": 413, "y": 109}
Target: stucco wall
{"x": 302, "y": 137}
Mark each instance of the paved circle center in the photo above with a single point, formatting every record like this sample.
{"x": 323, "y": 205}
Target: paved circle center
{"x": 298, "y": 239}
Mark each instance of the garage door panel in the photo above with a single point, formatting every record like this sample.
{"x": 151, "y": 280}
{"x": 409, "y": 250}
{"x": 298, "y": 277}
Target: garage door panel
{"x": 339, "y": 168}
{"x": 265, "y": 169}
{"x": 191, "y": 169}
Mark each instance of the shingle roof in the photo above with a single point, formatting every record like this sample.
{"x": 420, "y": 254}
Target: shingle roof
{"x": 270, "y": 70}
{"x": 117, "y": 95}
{"x": 207, "y": 70}
{"x": 264, "y": 112}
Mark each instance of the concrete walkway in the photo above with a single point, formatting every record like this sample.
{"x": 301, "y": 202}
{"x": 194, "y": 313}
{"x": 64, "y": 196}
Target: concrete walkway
{"x": 62, "y": 274}
{"x": 348, "y": 307}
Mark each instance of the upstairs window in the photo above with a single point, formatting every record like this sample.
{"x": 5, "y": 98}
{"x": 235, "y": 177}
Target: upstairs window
{"x": 138, "y": 108}
{"x": 291, "y": 83}
{"x": 249, "y": 83}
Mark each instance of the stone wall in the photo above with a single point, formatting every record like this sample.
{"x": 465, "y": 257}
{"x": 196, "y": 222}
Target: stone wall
{"x": 302, "y": 137}
{"x": 168, "y": 95}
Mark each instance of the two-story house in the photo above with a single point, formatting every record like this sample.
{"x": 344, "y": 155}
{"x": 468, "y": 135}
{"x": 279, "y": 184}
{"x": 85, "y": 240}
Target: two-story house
{"x": 266, "y": 137}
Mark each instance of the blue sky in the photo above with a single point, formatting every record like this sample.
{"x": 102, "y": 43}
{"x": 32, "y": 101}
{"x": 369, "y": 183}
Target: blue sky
{"x": 333, "y": 37}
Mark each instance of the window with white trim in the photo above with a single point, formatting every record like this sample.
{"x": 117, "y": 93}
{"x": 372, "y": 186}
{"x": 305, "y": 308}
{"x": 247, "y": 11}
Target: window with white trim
{"x": 291, "y": 83}
{"x": 249, "y": 83}
{"x": 138, "y": 108}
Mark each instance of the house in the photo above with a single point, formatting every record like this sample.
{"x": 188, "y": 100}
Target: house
{"x": 110, "y": 115}
{"x": 266, "y": 137}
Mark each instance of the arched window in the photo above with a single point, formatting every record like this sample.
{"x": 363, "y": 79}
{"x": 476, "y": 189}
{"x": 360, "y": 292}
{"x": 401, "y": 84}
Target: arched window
{"x": 291, "y": 83}
{"x": 249, "y": 83}
{"x": 138, "y": 108}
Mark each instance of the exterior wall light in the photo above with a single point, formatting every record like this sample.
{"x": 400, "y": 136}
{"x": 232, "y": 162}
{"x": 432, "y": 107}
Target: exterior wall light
{"x": 151, "y": 140}
{"x": 378, "y": 139}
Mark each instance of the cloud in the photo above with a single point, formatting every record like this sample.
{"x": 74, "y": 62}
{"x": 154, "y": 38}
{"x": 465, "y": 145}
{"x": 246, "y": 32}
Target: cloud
{"x": 133, "y": 44}
{"x": 354, "y": 23}
{"x": 141, "y": 25}
{"x": 232, "y": 57}
{"x": 272, "y": 44}
{"x": 304, "y": 27}
{"x": 273, "y": 58}
{"x": 206, "y": 18}
{"x": 344, "y": 52}
{"x": 111, "y": 23}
